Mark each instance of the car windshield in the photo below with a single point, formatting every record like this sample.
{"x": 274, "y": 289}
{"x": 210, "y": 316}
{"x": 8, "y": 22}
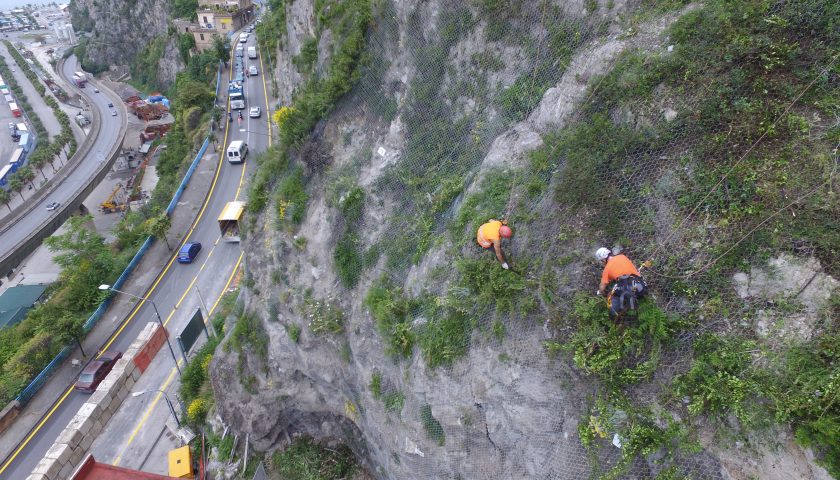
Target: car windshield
{"x": 86, "y": 377}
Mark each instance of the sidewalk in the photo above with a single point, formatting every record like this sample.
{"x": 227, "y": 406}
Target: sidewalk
{"x": 40, "y": 107}
{"x": 148, "y": 269}
{"x": 53, "y": 128}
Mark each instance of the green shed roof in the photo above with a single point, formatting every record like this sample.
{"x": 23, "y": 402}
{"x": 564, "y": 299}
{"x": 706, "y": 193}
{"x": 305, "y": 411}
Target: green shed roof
{"x": 16, "y": 301}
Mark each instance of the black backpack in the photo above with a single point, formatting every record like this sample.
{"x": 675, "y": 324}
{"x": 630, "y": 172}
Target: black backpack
{"x": 625, "y": 295}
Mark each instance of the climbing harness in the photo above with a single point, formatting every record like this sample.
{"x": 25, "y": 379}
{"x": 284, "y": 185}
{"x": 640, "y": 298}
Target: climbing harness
{"x": 625, "y": 295}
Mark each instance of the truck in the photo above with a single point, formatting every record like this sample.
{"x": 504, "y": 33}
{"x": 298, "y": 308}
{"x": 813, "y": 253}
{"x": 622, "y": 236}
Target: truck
{"x": 15, "y": 109}
{"x": 236, "y": 96}
{"x": 82, "y": 120}
{"x": 229, "y": 221}
{"x": 252, "y": 52}
{"x": 80, "y": 79}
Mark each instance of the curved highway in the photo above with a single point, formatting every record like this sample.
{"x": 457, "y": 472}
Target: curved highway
{"x": 174, "y": 290}
{"x": 66, "y": 190}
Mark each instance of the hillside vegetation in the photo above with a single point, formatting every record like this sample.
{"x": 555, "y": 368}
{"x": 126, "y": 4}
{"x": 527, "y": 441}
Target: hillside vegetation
{"x": 706, "y": 147}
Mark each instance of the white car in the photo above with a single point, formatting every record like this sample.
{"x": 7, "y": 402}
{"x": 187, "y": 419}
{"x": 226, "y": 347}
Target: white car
{"x": 254, "y": 112}
{"x": 52, "y": 206}
{"x": 252, "y": 70}
{"x": 243, "y": 38}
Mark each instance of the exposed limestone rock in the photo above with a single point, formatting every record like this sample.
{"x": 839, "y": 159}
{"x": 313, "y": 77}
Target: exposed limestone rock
{"x": 497, "y": 406}
{"x": 121, "y": 29}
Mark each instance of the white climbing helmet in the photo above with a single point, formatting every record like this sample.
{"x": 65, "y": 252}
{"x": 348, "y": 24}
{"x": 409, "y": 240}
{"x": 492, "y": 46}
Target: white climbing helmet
{"x": 602, "y": 253}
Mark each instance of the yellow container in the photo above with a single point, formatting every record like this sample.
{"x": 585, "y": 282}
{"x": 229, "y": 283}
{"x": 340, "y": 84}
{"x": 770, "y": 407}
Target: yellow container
{"x": 180, "y": 463}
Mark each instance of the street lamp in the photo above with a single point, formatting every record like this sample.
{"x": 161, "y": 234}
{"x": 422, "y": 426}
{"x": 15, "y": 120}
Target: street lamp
{"x": 171, "y": 408}
{"x": 112, "y": 289}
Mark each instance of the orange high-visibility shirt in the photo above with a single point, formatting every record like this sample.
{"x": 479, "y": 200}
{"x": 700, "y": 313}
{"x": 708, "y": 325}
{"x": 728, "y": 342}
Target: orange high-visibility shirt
{"x": 487, "y": 233}
{"x": 617, "y": 266}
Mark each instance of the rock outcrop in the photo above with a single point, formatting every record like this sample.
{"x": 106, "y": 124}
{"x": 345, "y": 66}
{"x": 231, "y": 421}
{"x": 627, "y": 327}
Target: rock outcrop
{"x": 505, "y": 409}
{"x": 120, "y": 29}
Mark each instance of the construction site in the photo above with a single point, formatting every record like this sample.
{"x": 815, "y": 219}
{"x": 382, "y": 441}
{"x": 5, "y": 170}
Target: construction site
{"x": 155, "y": 107}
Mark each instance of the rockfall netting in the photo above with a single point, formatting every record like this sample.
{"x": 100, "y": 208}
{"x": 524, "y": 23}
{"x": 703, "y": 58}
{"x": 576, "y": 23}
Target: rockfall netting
{"x": 700, "y": 140}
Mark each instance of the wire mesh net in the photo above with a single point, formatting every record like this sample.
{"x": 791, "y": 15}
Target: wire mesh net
{"x": 635, "y": 126}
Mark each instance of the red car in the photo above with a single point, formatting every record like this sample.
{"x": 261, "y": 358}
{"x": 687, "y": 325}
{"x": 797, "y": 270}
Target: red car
{"x": 95, "y": 372}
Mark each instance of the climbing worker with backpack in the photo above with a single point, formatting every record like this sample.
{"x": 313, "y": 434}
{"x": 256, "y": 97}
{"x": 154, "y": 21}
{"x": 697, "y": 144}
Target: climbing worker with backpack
{"x": 490, "y": 235}
{"x": 629, "y": 285}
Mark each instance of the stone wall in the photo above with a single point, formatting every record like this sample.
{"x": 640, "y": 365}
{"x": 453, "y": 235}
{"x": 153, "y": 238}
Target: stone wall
{"x": 71, "y": 446}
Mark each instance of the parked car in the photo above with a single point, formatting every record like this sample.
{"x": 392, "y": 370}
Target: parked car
{"x": 95, "y": 372}
{"x": 252, "y": 70}
{"x": 52, "y": 206}
{"x": 188, "y": 252}
{"x": 255, "y": 112}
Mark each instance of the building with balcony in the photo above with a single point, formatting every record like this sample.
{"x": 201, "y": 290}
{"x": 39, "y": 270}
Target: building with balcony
{"x": 216, "y": 17}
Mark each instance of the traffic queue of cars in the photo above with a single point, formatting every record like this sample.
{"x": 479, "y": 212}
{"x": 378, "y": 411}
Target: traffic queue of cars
{"x": 96, "y": 371}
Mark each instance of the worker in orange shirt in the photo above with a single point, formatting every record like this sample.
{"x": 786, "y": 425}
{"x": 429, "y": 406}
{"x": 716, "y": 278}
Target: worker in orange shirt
{"x": 629, "y": 284}
{"x": 490, "y": 235}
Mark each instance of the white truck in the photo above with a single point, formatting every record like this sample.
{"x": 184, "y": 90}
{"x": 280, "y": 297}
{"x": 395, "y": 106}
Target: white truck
{"x": 252, "y": 52}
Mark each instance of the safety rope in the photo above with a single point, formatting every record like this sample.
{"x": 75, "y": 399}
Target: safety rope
{"x": 516, "y": 171}
{"x": 647, "y": 263}
{"x": 748, "y": 234}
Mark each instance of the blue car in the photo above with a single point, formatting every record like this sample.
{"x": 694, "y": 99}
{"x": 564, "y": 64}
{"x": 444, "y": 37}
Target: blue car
{"x": 188, "y": 252}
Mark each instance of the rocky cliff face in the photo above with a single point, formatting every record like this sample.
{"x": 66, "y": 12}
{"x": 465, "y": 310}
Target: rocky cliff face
{"x": 505, "y": 409}
{"x": 120, "y": 29}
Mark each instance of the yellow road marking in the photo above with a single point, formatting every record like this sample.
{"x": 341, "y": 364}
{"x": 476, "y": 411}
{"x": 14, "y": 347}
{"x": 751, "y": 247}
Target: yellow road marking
{"x": 172, "y": 373}
{"x": 227, "y": 285}
{"x": 137, "y": 307}
{"x": 145, "y": 417}
{"x": 180, "y": 300}
{"x": 31, "y": 435}
{"x": 265, "y": 95}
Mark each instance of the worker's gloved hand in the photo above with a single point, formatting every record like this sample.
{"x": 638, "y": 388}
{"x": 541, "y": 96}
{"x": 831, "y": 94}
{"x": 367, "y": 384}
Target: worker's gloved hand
{"x": 505, "y": 266}
{"x": 598, "y": 292}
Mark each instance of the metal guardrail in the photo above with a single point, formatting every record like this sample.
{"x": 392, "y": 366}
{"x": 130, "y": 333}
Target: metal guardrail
{"x": 35, "y": 385}
{"x": 187, "y": 176}
{"x": 55, "y": 181}
{"x": 52, "y": 223}
{"x": 91, "y": 322}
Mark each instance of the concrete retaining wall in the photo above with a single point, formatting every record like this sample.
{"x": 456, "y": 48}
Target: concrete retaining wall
{"x": 144, "y": 356}
{"x": 71, "y": 446}
{"x": 8, "y": 263}
{"x": 8, "y": 414}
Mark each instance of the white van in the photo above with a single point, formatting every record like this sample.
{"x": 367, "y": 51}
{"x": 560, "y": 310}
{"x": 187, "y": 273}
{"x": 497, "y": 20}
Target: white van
{"x": 237, "y": 151}
{"x": 252, "y": 52}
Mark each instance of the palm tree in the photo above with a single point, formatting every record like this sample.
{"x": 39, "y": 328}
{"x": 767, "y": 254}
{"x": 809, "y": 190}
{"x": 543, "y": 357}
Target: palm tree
{"x": 27, "y": 175}
{"x": 50, "y": 156}
{"x": 16, "y": 185}
{"x": 5, "y": 198}
{"x": 38, "y": 160}
{"x": 55, "y": 149}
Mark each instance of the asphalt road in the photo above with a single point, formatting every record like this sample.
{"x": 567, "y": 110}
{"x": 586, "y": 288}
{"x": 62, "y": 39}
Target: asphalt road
{"x": 11, "y": 238}
{"x": 174, "y": 293}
